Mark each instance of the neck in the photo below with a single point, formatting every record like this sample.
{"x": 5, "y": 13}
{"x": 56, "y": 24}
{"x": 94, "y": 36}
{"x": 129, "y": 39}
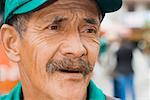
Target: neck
{"x": 35, "y": 94}
{"x": 39, "y": 96}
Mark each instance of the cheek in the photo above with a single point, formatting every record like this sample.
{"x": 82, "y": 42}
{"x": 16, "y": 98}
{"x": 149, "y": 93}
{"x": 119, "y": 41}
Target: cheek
{"x": 93, "y": 54}
{"x": 35, "y": 55}
{"x": 92, "y": 47}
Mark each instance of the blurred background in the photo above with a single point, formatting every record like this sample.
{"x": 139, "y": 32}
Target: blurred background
{"x": 124, "y": 57}
{"x": 130, "y": 24}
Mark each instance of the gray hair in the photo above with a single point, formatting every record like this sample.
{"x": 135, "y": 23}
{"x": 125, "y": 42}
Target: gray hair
{"x": 19, "y": 22}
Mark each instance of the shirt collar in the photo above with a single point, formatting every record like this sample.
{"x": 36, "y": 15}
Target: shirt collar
{"x": 94, "y": 93}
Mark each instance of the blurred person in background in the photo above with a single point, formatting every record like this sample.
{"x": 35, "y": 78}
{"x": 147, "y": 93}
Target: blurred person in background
{"x": 102, "y": 50}
{"x": 123, "y": 73}
{"x": 56, "y": 44}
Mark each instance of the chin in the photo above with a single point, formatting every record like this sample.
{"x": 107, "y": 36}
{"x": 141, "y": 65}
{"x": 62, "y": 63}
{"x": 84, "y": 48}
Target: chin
{"x": 69, "y": 87}
{"x": 73, "y": 92}
{"x": 77, "y": 89}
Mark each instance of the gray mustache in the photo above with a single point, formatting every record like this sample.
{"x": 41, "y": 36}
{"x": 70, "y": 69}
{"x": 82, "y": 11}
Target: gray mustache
{"x": 67, "y": 64}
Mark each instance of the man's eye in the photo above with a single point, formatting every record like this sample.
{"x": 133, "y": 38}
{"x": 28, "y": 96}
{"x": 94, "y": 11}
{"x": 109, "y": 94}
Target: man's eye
{"x": 91, "y": 31}
{"x": 53, "y": 27}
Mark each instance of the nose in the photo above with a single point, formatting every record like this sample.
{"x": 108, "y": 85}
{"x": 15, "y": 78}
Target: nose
{"x": 73, "y": 47}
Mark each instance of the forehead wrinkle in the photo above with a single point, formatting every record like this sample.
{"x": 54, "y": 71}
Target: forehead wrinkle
{"x": 76, "y": 6}
{"x": 59, "y": 19}
{"x": 71, "y": 4}
{"x": 66, "y": 9}
{"x": 78, "y": 2}
{"x": 74, "y": 19}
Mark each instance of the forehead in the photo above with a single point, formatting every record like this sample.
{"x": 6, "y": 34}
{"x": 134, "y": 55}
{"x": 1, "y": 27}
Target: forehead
{"x": 86, "y": 7}
{"x": 77, "y": 3}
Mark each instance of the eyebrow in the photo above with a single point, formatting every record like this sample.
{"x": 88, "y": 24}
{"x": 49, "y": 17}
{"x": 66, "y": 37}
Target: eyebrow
{"x": 58, "y": 20}
{"x": 91, "y": 21}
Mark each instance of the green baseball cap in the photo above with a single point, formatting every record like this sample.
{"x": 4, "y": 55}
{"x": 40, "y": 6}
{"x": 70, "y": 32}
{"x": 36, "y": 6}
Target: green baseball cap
{"x": 16, "y": 7}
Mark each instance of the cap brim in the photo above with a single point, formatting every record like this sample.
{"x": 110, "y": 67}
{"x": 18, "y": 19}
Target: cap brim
{"x": 27, "y": 7}
{"x": 108, "y": 6}
{"x": 33, "y": 4}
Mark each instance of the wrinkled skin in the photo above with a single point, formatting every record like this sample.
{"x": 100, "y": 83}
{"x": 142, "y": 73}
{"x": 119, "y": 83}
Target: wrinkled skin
{"x": 66, "y": 29}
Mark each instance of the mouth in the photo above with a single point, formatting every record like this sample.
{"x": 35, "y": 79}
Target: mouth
{"x": 70, "y": 71}
{"x": 72, "y": 74}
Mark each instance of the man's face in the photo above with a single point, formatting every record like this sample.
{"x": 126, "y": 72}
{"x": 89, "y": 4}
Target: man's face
{"x": 60, "y": 47}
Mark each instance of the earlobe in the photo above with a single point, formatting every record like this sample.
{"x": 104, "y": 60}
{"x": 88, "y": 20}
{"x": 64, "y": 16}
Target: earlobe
{"x": 10, "y": 40}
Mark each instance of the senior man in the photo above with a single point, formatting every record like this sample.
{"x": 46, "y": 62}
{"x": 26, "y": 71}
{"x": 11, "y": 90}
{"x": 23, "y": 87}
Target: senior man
{"x": 55, "y": 43}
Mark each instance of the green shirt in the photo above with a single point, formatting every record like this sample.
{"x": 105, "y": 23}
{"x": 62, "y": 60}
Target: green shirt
{"x": 94, "y": 93}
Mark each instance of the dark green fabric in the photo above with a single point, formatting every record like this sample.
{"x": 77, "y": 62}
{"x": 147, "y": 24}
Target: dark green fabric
{"x": 109, "y": 5}
{"x": 94, "y": 93}
{"x": 15, "y": 7}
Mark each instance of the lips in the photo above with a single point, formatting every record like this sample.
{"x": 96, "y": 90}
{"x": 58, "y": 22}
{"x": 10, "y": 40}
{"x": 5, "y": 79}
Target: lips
{"x": 80, "y": 70}
{"x": 72, "y": 75}
{"x": 77, "y": 70}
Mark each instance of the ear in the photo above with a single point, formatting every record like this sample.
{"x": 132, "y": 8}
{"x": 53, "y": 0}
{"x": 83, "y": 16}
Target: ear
{"x": 101, "y": 33}
{"x": 10, "y": 39}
